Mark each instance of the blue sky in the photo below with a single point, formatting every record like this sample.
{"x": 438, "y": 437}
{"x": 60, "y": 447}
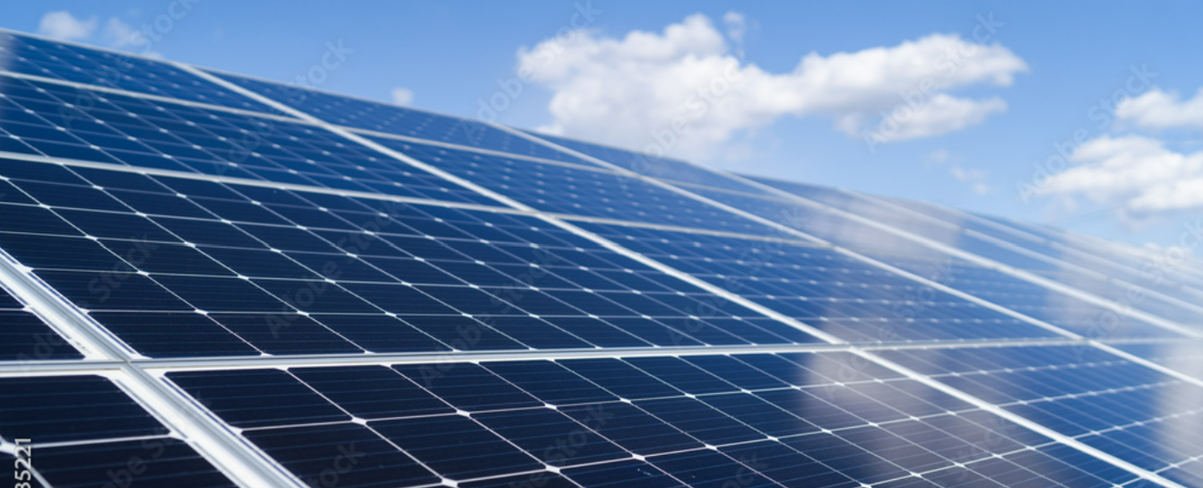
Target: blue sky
{"x": 879, "y": 105}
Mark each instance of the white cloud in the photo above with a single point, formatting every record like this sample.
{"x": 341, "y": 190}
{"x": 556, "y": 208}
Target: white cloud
{"x": 119, "y": 35}
{"x": 683, "y": 91}
{"x": 976, "y": 179}
{"x": 63, "y": 25}
{"x": 939, "y": 115}
{"x": 1160, "y": 110}
{"x": 115, "y": 34}
{"x": 737, "y": 28}
{"x": 1138, "y": 174}
{"x": 939, "y": 156}
{"x": 402, "y": 96}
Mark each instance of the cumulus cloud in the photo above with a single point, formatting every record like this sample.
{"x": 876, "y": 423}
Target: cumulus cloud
{"x": 1157, "y": 109}
{"x": 63, "y": 25}
{"x": 976, "y": 179}
{"x": 1138, "y": 174}
{"x": 115, "y": 33}
{"x": 120, "y": 35}
{"x": 402, "y": 96}
{"x": 683, "y": 91}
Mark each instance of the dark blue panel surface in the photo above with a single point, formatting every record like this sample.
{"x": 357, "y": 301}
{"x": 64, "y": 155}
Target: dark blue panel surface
{"x": 25, "y": 337}
{"x": 74, "y": 408}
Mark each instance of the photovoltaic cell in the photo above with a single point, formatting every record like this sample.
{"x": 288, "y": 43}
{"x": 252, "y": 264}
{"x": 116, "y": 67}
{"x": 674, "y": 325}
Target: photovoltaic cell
{"x": 25, "y": 337}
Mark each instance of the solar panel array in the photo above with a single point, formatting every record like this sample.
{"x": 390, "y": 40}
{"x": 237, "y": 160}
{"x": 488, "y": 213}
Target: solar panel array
{"x": 211, "y": 280}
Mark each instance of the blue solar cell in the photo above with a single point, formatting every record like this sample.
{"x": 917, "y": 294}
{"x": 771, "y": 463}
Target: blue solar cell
{"x": 341, "y": 455}
{"x": 476, "y": 453}
{"x": 65, "y": 409}
{"x": 258, "y": 398}
{"x": 25, "y": 337}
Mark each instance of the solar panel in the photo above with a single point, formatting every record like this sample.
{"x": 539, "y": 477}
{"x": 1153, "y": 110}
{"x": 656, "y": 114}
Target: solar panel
{"x": 237, "y": 282}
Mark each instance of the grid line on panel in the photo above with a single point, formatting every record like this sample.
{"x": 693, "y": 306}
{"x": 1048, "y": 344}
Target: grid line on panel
{"x": 988, "y": 263}
{"x": 1148, "y": 363}
{"x": 212, "y": 363}
{"x": 726, "y": 294}
{"x": 480, "y": 150}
